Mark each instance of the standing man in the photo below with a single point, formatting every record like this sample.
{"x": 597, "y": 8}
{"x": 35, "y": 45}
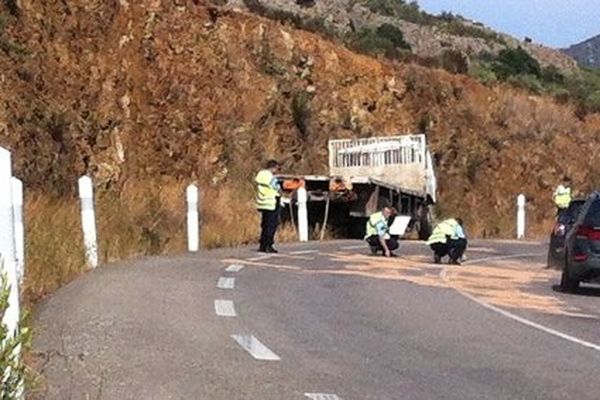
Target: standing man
{"x": 562, "y": 197}
{"x": 267, "y": 202}
{"x": 448, "y": 239}
{"x": 377, "y": 234}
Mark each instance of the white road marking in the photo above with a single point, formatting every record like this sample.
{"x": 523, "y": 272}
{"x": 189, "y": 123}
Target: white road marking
{"x": 259, "y": 258}
{"x": 498, "y": 258}
{"x": 355, "y": 247}
{"x": 225, "y": 308}
{"x": 301, "y": 252}
{"x": 226, "y": 283}
{"x": 514, "y": 317}
{"x": 322, "y": 396}
{"x": 234, "y": 268}
{"x": 256, "y": 349}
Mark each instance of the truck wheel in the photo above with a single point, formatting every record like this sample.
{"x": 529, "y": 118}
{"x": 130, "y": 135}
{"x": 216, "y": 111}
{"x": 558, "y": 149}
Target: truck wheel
{"x": 568, "y": 284}
{"x": 424, "y": 224}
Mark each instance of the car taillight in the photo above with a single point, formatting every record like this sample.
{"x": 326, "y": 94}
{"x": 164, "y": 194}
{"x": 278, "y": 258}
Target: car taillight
{"x": 588, "y": 232}
{"x": 559, "y": 229}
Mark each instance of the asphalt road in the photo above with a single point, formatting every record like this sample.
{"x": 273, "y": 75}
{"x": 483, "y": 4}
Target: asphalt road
{"x": 321, "y": 321}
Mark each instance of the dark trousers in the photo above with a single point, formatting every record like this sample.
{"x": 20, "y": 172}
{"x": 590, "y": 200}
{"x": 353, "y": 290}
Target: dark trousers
{"x": 268, "y": 228}
{"x": 375, "y": 244}
{"x": 452, "y": 248}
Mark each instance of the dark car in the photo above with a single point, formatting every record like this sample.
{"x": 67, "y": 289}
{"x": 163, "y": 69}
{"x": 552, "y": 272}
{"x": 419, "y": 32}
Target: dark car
{"x": 564, "y": 222}
{"x": 582, "y": 246}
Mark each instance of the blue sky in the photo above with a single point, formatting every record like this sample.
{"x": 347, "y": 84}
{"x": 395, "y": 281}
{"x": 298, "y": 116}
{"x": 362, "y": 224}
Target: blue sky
{"x": 556, "y": 23}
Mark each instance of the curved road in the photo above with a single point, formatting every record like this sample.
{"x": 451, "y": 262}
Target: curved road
{"x": 321, "y": 321}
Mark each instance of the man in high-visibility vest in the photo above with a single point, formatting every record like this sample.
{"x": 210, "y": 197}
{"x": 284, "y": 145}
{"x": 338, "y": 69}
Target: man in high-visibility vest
{"x": 268, "y": 192}
{"x": 377, "y": 233}
{"x": 448, "y": 239}
{"x": 562, "y": 197}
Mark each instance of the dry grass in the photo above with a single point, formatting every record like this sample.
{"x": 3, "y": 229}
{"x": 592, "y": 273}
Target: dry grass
{"x": 137, "y": 220}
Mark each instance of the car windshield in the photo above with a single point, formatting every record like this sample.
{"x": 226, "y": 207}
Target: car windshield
{"x": 569, "y": 215}
{"x": 593, "y": 215}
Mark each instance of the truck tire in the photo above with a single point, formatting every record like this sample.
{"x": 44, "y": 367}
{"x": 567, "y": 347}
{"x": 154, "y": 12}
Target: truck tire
{"x": 424, "y": 223}
{"x": 568, "y": 284}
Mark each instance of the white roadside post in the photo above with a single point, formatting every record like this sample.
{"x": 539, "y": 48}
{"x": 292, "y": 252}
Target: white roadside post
{"x": 193, "y": 229}
{"x": 19, "y": 229}
{"x": 302, "y": 215}
{"x": 8, "y": 265}
{"x": 88, "y": 220}
{"x": 521, "y": 216}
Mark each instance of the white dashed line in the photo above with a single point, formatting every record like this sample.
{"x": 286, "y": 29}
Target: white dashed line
{"x": 355, "y": 247}
{"x": 322, "y": 396}
{"x": 226, "y": 283}
{"x": 514, "y": 317}
{"x": 301, "y": 252}
{"x": 259, "y": 258}
{"x": 498, "y": 258}
{"x": 225, "y": 308}
{"x": 256, "y": 349}
{"x": 234, "y": 268}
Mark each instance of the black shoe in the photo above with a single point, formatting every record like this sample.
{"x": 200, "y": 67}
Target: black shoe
{"x": 437, "y": 259}
{"x": 374, "y": 250}
{"x": 271, "y": 250}
{"x": 393, "y": 255}
{"x": 454, "y": 262}
{"x": 262, "y": 250}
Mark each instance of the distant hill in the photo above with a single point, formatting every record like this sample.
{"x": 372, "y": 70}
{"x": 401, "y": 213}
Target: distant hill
{"x": 586, "y": 53}
{"x": 428, "y": 36}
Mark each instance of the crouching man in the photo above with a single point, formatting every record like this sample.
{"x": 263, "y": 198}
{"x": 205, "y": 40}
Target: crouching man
{"x": 448, "y": 239}
{"x": 377, "y": 233}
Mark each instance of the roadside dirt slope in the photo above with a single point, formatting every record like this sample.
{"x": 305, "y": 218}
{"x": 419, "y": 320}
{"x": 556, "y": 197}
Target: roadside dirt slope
{"x": 129, "y": 91}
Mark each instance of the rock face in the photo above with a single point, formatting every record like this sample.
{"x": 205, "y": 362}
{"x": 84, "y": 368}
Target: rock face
{"x": 426, "y": 40}
{"x": 586, "y": 53}
{"x": 133, "y": 91}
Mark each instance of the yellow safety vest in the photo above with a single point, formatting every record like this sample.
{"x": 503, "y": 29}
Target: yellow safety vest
{"x": 442, "y": 230}
{"x": 374, "y": 219}
{"x": 562, "y": 198}
{"x": 266, "y": 195}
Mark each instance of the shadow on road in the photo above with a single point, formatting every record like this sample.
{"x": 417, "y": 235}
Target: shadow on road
{"x": 589, "y": 291}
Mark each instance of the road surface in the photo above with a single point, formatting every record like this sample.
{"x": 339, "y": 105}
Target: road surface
{"x": 321, "y": 321}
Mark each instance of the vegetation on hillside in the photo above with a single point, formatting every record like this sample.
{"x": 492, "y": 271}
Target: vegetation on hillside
{"x": 447, "y": 22}
{"x": 518, "y": 68}
{"x": 11, "y": 347}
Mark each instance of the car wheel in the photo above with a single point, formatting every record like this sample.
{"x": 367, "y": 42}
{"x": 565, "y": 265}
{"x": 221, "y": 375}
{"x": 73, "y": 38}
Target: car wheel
{"x": 568, "y": 284}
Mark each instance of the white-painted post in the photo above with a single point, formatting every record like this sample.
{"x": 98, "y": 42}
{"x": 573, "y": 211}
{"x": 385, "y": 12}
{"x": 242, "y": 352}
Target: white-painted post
{"x": 88, "y": 220}
{"x": 19, "y": 227}
{"x": 8, "y": 265}
{"x": 521, "y": 216}
{"x": 302, "y": 215}
{"x": 193, "y": 229}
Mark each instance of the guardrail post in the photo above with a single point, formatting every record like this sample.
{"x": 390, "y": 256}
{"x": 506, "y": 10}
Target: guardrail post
{"x": 19, "y": 230}
{"x": 302, "y": 215}
{"x": 193, "y": 229}
{"x": 7, "y": 244}
{"x": 521, "y": 216}
{"x": 88, "y": 220}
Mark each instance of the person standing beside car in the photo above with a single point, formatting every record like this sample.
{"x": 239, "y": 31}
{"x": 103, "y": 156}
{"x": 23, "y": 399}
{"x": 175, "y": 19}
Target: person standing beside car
{"x": 562, "y": 198}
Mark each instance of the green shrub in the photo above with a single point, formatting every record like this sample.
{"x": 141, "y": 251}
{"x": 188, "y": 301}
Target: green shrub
{"x": 394, "y": 35}
{"x": 386, "y": 40}
{"x": 11, "y": 347}
{"x": 483, "y": 73}
{"x": 511, "y": 62}
{"x": 528, "y": 82}
{"x": 408, "y": 11}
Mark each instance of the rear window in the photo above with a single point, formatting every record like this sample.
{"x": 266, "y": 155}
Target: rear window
{"x": 592, "y": 217}
{"x": 569, "y": 215}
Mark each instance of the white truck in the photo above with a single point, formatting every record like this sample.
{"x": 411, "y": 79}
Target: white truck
{"x": 366, "y": 174}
